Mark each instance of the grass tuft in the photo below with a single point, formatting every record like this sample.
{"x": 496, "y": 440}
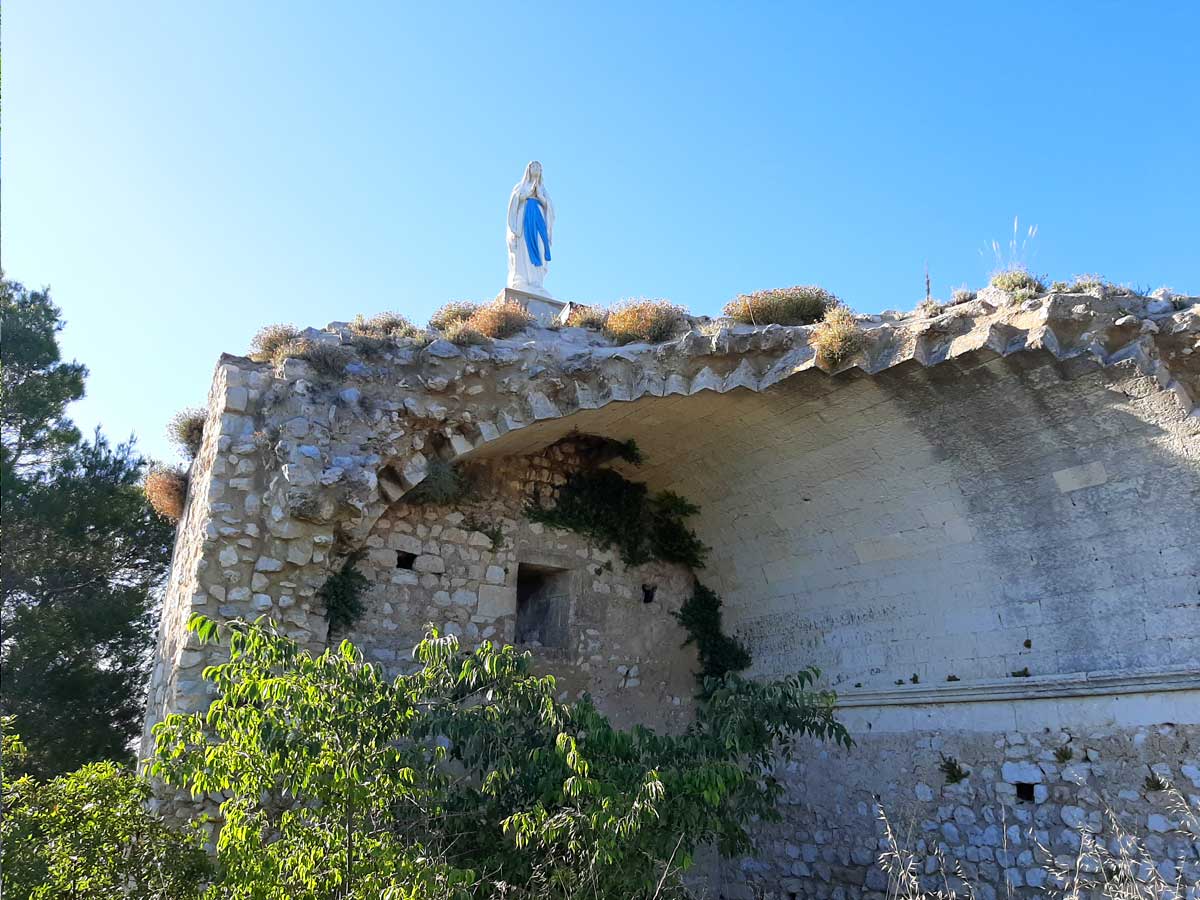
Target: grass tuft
{"x": 652, "y": 321}
{"x": 837, "y": 339}
{"x": 186, "y": 430}
{"x": 454, "y": 311}
{"x": 385, "y": 325}
{"x": 166, "y": 490}
{"x": 499, "y": 319}
{"x": 593, "y": 317}
{"x": 1016, "y": 279}
{"x": 327, "y": 359}
{"x": 462, "y": 334}
{"x": 802, "y": 304}
{"x": 269, "y": 339}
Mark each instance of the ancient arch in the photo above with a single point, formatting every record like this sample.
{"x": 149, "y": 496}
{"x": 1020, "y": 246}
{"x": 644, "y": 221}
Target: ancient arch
{"x": 982, "y": 529}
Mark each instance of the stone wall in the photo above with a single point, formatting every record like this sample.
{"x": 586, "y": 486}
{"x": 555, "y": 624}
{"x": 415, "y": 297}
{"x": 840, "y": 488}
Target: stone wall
{"x": 616, "y": 637}
{"x": 982, "y": 529}
{"x": 964, "y": 522}
{"x": 1007, "y": 827}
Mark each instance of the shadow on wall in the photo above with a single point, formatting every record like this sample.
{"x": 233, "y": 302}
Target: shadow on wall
{"x": 981, "y": 519}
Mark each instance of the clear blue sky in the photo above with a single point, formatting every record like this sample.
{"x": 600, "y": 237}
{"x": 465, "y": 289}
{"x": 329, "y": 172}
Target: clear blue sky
{"x": 182, "y": 173}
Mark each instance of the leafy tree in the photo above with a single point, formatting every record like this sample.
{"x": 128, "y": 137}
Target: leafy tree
{"x": 466, "y": 778}
{"x": 83, "y": 557}
{"x": 36, "y": 385}
{"x": 89, "y": 836}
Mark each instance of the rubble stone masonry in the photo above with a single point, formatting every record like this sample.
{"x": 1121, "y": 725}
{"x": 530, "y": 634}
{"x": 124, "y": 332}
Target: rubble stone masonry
{"x": 985, "y": 530}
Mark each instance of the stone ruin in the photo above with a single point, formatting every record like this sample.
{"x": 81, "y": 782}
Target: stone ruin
{"x": 985, "y": 530}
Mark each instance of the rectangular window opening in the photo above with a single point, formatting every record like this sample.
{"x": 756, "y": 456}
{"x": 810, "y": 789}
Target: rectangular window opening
{"x": 405, "y": 560}
{"x": 543, "y": 606}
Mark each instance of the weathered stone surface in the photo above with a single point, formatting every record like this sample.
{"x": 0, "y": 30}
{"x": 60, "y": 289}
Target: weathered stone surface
{"x": 994, "y": 490}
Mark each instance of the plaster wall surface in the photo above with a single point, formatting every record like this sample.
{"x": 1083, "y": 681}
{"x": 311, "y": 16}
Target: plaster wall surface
{"x": 961, "y": 522}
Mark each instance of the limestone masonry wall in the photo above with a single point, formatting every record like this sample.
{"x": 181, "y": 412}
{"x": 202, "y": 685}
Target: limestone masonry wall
{"x": 617, "y": 639}
{"x": 984, "y": 529}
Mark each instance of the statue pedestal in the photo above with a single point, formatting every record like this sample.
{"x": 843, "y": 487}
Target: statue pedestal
{"x": 544, "y": 309}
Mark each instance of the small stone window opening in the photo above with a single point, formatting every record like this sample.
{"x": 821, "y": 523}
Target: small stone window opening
{"x": 648, "y": 592}
{"x": 405, "y": 560}
{"x": 1025, "y": 791}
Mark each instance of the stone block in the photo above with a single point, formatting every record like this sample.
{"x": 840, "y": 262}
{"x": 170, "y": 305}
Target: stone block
{"x": 1022, "y": 772}
{"x": 1079, "y": 477}
{"x": 385, "y": 559}
{"x": 406, "y": 542}
{"x": 429, "y": 563}
{"x": 268, "y": 564}
{"x": 496, "y": 601}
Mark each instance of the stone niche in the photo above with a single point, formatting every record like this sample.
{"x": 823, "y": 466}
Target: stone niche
{"x": 983, "y": 529}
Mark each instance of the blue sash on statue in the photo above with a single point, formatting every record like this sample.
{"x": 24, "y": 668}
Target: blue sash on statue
{"x": 535, "y": 227}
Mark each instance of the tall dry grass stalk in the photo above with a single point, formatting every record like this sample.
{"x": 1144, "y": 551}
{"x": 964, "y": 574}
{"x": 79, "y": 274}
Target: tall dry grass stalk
{"x": 1116, "y": 865}
{"x": 1017, "y": 255}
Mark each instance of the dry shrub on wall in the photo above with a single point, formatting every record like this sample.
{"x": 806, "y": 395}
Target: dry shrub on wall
{"x": 385, "y": 325}
{"x": 455, "y": 311}
{"x": 1017, "y": 280}
{"x": 837, "y": 338}
{"x": 329, "y": 360}
{"x": 186, "y": 429}
{"x": 499, "y": 319}
{"x": 588, "y": 317}
{"x": 802, "y": 304}
{"x": 267, "y": 342}
{"x": 652, "y": 321}
{"x": 462, "y": 334}
{"x": 929, "y": 308}
{"x": 166, "y": 489}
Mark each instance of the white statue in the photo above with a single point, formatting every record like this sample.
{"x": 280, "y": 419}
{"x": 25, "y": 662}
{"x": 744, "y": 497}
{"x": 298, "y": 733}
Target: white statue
{"x": 530, "y": 232}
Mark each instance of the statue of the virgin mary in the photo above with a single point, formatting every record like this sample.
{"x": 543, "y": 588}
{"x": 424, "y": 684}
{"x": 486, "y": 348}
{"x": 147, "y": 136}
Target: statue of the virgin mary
{"x": 530, "y": 232}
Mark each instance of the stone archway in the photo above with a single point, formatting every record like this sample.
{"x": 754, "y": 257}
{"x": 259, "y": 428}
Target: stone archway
{"x": 982, "y": 530}
{"x": 295, "y": 470}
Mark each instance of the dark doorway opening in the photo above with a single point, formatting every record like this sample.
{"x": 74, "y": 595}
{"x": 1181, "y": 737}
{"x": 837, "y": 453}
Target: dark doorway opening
{"x": 543, "y": 606}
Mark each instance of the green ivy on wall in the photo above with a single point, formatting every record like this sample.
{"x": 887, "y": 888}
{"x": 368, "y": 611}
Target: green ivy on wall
{"x": 342, "y": 594}
{"x": 719, "y": 653}
{"x": 612, "y": 510}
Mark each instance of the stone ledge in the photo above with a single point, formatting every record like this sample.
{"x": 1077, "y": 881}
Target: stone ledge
{"x": 1046, "y": 687}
